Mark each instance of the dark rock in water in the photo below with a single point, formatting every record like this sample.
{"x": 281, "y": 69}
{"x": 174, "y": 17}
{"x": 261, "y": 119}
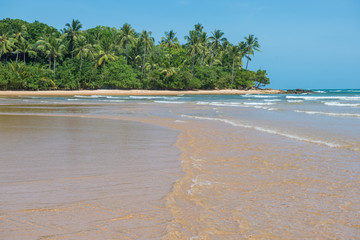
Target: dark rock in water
{"x": 297, "y": 91}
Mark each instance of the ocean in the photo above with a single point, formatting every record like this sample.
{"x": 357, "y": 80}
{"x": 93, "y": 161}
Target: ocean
{"x": 283, "y": 166}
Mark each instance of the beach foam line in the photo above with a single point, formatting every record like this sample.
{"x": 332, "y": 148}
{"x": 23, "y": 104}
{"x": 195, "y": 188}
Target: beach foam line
{"x": 112, "y": 101}
{"x": 258, "y": 103}
{"x": 272, "y": 100}
{"x": 91, "y": 96}
{"x": 241, "y": 104}
{"x": 116, "y": 97}
{"x": 235, "y": 104}
{"x": 152, "y": 97}
{"x": 354, "y": 98}
{"x": 221, "y": 104}
{"x": 295, "y": 101}
{"x": 258, "y": 96}
{"x": 170, "y": 102}
{"x": 338, "y": 104}
{"x": 330, "y": 113}
{"x": 266, "y": 130}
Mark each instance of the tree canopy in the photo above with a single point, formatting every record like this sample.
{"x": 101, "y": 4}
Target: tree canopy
{"x": 35, "y": 56}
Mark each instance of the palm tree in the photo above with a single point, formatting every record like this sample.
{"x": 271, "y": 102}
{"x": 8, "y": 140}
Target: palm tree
{"x": 105, "y": 53}
{"x": 148, "y": 42}
{"x": 151, "y": 64}
{"x": 24, "y": 48}
{"x": 192, "y": 45}
{"x": 127, "y": 37}
{"x": 22, "y": 73}
{"x": 44, "y": 46}
{"x": 243, "y": 50}
{"x": 204, "y": 42}
{"x": 20, "y": 39}
{"x": 216, "y": 39}
{"x": 169, "y": 71}
{"x": 83, "y": 49}
{"x": 52, "y": 47}
{"x": 7, "y": 43}
{"x": 199, "y": 28}
{"x": 234, "y": 53}
{"x": 252, "y": 44}
{"x": 57, "y": 49}
{"x": 170, "y": 41}
{"x": 73, "y": 32}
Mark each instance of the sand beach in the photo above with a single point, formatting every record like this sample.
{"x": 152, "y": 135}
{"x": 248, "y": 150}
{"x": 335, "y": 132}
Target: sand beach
{"x": 105, "y": 92}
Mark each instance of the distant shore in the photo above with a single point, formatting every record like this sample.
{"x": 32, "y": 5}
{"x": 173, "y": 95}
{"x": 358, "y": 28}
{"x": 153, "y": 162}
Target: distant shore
{"x": 134, "y": 92}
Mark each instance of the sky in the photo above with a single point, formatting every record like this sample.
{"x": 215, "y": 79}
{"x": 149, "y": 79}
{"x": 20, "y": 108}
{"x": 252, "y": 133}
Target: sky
{"x": 311, "y": 44}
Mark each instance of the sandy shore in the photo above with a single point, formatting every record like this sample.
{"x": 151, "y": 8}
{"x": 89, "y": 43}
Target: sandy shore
{"x": 134, "y": 92}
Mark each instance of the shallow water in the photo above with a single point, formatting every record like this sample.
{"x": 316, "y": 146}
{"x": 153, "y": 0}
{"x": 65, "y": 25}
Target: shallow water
{"x": 75, "y": 178}
{"x": 243, "y": 167}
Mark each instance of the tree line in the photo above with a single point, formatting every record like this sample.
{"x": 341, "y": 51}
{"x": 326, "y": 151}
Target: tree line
{"x": 35, "y": 56}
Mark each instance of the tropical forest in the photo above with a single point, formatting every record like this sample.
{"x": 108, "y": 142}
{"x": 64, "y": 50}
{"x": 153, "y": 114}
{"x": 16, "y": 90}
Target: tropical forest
{"x": 35, "y": 56}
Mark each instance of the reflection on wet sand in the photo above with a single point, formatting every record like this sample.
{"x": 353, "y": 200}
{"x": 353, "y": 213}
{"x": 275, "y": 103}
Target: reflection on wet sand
{"x": 75, "y": 178}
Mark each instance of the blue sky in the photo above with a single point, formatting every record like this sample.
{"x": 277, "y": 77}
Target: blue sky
{"x": 305, "y": 43}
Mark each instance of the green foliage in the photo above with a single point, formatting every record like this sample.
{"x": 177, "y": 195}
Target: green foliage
{"x": 120, "y": 75}
{"x": 35, "y": 56}
{"x": 4, "y": 77}
{"x": 244, "y": 79}
{"x": 207, "y": 77}
{"x": 68, "y": 76}
{"x": 261, "y": 78}
{"x": 15, "y": 76}
{"x": 184, "y": 80}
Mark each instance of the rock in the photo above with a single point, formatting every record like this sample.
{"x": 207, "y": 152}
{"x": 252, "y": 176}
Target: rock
{"x": 297, "y": 91}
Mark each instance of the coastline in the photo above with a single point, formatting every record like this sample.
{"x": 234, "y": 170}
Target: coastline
{"x": 111, "y": 92}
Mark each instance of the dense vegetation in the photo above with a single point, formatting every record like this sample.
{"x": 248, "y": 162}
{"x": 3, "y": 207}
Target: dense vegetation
{"x": 36, "y": 56}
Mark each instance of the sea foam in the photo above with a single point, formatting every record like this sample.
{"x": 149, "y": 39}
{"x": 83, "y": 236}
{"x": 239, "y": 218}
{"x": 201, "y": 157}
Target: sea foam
{"x": 354, "y": 98}
{"x": 330, "y": 113}
{"x": 267, "y": 130}
{"x": 338, "y": 104}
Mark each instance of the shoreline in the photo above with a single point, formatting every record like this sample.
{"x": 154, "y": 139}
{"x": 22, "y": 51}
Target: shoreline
{"x": 111, "y": 92}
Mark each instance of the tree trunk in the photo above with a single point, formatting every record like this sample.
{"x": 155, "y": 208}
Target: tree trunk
{"x": 49, "y": 62}
{"x": 143, "y": 65}
{"x": 127, "y": 53}
{"x": 80, "y": 61}
{"x": 212, "y": 59}
{"x": 247, "y": 62}
{"x": 169, "y": 55}
{"x": 103, "y": 73}
{"x": 17, "y": 56}
{"x": 202, "y": 58}
{"x": 24, "y": 57}
{"x": 72, "y": 50}
{"x": 54, "y": 63}
{"x": 232, "y": 75}
{"x": 192, "y": 65}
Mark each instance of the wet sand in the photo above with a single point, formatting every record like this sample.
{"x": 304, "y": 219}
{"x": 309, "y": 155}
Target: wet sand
{"x": 75, "y": 178}
{"x": 134, "y": 92}
{"x": 112, "y": 172}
